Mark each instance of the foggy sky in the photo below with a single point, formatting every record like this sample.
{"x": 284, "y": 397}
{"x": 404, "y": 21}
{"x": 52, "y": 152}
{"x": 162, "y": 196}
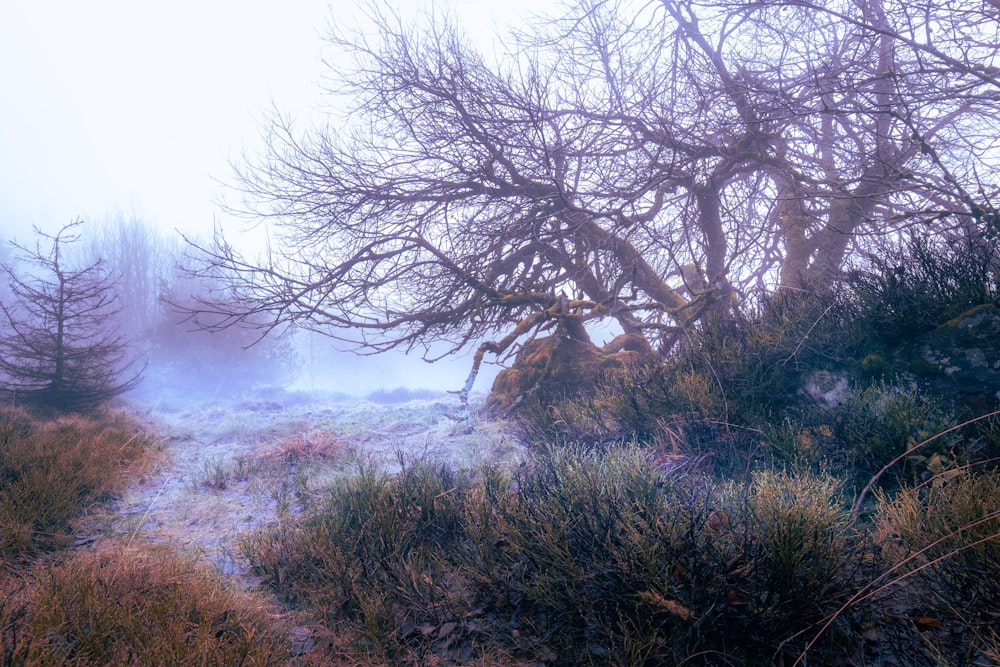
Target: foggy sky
{"x": 122, "y": 107}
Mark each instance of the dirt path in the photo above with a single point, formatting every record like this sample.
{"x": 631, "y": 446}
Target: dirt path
{"x": 227, "y": 470}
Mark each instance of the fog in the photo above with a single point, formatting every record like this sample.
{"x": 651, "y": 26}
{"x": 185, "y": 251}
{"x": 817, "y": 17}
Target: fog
{"x": 315, "y": 367}
{"x": 119, "y": 105}
{"x": 117, "y": 110}
{"x": 324, "y": 367}
{"x": 184, "y": 364}
{"x": 184, "y": 361}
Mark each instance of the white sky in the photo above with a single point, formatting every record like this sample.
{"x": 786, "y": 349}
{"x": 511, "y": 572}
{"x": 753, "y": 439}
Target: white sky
{"x": 134, "y": 105}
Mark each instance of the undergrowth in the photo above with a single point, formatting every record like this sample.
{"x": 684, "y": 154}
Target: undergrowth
{"x": 704, "y": 511}
{"x": 579, "y": 555}
{"x": 712, "y": 509}
{"x": 943, "y": 538}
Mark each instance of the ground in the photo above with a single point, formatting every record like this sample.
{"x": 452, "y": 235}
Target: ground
{"x": 228, "y": 468}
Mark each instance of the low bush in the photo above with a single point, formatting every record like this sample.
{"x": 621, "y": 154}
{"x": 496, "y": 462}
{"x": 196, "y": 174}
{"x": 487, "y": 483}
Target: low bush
{"x": 604, "y": 556}
{"x": 51, "y": 472}
{"x": 803, "y": 532}
{"x": 882, "y": 421}
{"x": 376, "y": 553}
{"x": 750, "y": 367}
{"x": 580, "y": 555}
{"x": 617, "y": 409}
{"x": 914, "y": 287}
{"x": 741, "y": 371}
{"x": 124, "y": 607}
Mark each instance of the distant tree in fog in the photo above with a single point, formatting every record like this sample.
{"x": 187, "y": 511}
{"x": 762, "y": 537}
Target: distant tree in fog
{"x": 58, "y": 345}
{"x": 191, "y": 357}
{"x": 651, "y": 164}
{"x": 182, "y": 358}
{"x": 145, "y": 262}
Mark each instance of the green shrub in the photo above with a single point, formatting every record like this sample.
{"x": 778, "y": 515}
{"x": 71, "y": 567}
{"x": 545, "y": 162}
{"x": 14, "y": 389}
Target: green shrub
{"x": 580, "y": 538}
{"x": 674, "y": 413}
{"x": 375, "y": 553}
{"x": 124, "y": 607}
{"x": 757, "y": 359}
{"x": 915, "y": 287}
{"x": 747, "y": 372}
{"x": 627, "y": 562}
{"x": 802, "y": 530}
{"x": 808, "y": 447}
{"x": 752, "y": 365}
{"x": 620, "y": 409}
{"x": 50, "y": 472}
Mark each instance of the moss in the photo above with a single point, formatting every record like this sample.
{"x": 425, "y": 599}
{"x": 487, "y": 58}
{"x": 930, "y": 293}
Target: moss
{"x": 921, "y": 367}
{"x": 955, "y": 322}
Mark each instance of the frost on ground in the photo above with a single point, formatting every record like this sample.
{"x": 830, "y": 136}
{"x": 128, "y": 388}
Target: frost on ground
{"x": 227, "y": 469}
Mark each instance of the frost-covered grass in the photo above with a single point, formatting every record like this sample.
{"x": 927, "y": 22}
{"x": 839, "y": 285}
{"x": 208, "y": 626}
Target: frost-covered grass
{"x": 598, "y": 556}
{"x": 227, "y": 468}
{"x": 115, "y": 605}
{"x": 606, "y": 557}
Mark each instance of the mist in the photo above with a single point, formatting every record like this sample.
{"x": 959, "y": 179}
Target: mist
{"x": 124, "y": 114}
{"x": 324, "y": 367}
{"x": 185, "y": 363}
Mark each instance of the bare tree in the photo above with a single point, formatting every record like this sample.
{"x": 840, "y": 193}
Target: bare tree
{"x": 56, "y": 349}
{"x": 654, "y": 166}
{"x": 5, "y": 253}
{"x": 833, "y": 123}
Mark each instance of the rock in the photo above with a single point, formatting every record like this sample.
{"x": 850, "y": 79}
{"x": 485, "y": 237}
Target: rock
{"x": 559, "y": 365}
{"x": 827, "y": 388}
{"x": 961, "y": 357}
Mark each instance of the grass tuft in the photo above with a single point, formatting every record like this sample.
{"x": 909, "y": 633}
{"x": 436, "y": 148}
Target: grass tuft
{"x": 125, "y": 607}
{"x": 593, "y": 554}
{"x": 51, "y": 472}
{"x": 943, "y": 539}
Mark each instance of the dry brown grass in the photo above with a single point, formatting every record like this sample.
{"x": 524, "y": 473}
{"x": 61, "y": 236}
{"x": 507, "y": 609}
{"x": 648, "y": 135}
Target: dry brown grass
{"x": 943, "y": 542}
{"x": 305, "y": 446}
{"x": 120, "y": 606}
{"x": 53, "y": 471}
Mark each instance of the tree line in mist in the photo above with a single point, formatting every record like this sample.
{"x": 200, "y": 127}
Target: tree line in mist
{"x": 92, "y": 311}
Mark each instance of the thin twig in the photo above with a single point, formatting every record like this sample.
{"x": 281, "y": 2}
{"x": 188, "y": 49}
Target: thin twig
{"x": 806, "y": 336}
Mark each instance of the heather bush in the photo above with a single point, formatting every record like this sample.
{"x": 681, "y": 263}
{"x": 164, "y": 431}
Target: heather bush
{"x": 614, "y": 410}
{"x": 880, "y": 422}
{"x": 911, "y": 288}
{"x": 582, "y": 553}
{"x": 752, "y": 365}
{"x": 632, "y": 566}
{"x": 376, "y": 553}
{"x": 942, "y": 541}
